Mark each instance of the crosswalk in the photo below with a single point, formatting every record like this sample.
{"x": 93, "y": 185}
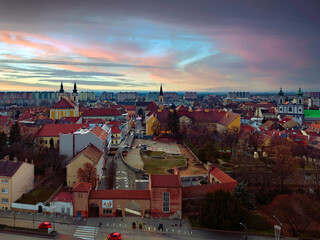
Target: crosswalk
{"x": 86, "y": 232}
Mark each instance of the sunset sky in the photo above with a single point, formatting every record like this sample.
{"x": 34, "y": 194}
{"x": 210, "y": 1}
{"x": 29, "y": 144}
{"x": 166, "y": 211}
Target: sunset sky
{"x": 224, "y": 45}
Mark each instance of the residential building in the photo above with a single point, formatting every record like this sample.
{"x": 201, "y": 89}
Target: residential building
{"x": 238, "y": 95}
{"x": 53, "y": 131}
{"x": 190, "y": 96}
{"x": 107, "y": 96}
{"x": 72, "y": 143}
{"x": 17, "y": 178}
{"x": 127, "y": 96}
{"x": 87, "y": 96}
{"x": 90, "y": 154}
{"x": 152, "y": 96}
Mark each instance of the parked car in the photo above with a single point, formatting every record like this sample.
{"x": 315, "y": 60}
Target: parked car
{"x": 45, "y": 225}
{"x": 114, "y": 236}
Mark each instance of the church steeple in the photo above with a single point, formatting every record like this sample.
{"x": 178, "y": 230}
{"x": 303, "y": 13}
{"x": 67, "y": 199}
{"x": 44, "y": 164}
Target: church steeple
{"x": 61, "y": 88}
{"x": 161, "y": 98}
{"x": 75, "y": 88}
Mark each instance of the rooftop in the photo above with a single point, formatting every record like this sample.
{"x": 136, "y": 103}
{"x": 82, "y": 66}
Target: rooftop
{"x": 165, "y": 181}
{"x": 119, "y": 194}
{"x": 9, "y": 168}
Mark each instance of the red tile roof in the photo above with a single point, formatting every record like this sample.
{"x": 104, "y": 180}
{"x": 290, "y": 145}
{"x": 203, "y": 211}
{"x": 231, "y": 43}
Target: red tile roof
{"x": 3, "y": 120}
{"x": 53, "y": 130}
{"x": 119, "y": 194}
{"x": 115, "y": 129}
{"x": 152, "y": 106}
{"x": 64, "y": 103}
{"x": 82, "y": 187}
{"x": 115, "y": 123}
{"x": 63, "y": 196}
{"x": 100, "y": 133}
{"x": 130, "y": 107}
{"x": 101, "y": 112}
{"x": 165, "y": 181}
{"x": 91, "y": 152}
{"x": 223, "y": 177}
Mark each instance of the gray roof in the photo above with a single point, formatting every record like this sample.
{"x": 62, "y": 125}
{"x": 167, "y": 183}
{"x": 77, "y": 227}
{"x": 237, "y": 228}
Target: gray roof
{"x": 9, "y": 168}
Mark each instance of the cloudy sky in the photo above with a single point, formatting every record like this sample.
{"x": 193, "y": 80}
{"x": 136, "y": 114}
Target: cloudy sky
{"x": 213, "y": 45}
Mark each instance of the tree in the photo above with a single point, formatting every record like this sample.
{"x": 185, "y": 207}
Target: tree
{"x": 282, "y": 161}
{"x": 15, "y": 134}
{"x": 3, "y": 140}
{"x": 231, "y": 138}
{"x": 140, "y": 112}
{"x": 88, "y": 173}
{"x": 222, "y": 211}
{"x": 246, "y": 198}
{"x": 174, "y": 122}
{"x": 297, "y": 210}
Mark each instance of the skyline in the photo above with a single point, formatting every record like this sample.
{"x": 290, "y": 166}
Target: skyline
{"x": 212, "y": 46}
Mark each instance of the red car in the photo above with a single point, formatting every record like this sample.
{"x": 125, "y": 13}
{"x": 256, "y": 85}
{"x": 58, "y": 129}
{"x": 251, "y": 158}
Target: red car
{"x": 114, "y": 236}
{"x": 44, "y": 225}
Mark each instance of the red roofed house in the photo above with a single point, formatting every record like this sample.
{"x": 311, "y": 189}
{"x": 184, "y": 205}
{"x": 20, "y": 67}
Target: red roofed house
{"x": 91, "y": 155}
{"x": 62, "y": 203}
{"x": 80, "y": 198}
{"x": 72, "y": 143}
{"x": 53, "y": 131}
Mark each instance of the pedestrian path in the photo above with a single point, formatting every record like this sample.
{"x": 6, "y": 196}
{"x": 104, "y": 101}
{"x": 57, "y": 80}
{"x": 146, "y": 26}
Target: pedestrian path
{"x": 86, "y": 232}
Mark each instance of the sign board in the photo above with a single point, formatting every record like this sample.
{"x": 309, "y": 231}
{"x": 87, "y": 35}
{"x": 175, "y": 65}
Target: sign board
{"x": 107, "y": 203}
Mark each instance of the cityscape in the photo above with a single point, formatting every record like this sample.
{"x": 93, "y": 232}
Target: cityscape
{"x": 159, "y": 120}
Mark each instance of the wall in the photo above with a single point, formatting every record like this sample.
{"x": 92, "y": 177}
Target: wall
{"x": 22, "y": 181}
{"x": 202, "y": 190}
{"x": 58, "y": 207}
{"x": 56, "y": 140}
{"x": 157, "y": 201}
{"x": 121, "y": 204}
{"x": 72, "y": 169}
{"x": 80, "y": 203}
{"x": 30, "y": 207}
{"x": 235, "y": 124}
{"x": 3, "y": 195}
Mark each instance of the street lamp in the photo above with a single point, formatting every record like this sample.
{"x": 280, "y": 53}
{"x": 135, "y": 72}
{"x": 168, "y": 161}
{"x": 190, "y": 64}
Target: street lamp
{"x": 277, "y": 229}
{"x": 243, "y": 225}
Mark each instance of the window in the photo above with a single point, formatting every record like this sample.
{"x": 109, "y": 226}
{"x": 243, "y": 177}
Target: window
{"x": 5, "y": 200}
{"x": 290, "y": 109}
{"x": 58, "y": 142}
{"x": 62, "y": 210}
{"x": 4, "y": 181}
{"x": 166, "y": 202}
{"x": 300, "y": 110}
{"x": 45, "y": 141}
{"x": 107, "y": 211}
{"x": 281, "y": 109}
{"x": 5, "y": 190}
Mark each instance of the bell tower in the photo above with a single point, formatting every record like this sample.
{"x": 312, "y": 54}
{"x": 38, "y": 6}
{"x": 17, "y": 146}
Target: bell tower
{"x": 161, "y": 98}
{"x": 61, "y": 92}
{"x": 75, "y": 95}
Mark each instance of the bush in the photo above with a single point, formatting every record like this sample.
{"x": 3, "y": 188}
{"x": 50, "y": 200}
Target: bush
{"x": 258, "y": 222}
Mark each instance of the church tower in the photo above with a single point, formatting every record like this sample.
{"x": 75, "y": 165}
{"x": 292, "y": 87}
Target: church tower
{"x": 61, "y": 92}
{"x": 161, "y": 98}
{"x": 75, "y": 95}
{"x": 280, "y": 101}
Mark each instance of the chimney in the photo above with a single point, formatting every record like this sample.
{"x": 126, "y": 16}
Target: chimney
{"x": 15, "y": 159}
{"x": 6, "y": 158}
{"x": 26, "y": 160}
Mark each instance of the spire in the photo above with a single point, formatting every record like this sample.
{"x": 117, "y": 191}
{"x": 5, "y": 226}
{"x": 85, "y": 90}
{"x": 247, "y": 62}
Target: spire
{"x": 280, "y": 93}
{"x": 61, "y": 88}
{"x": 75, "y": 88}
{"x": 161, "y": 93}
{"x": 300, "y": 93}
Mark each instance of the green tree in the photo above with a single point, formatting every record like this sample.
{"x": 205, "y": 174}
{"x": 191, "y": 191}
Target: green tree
{"x": 220, "y": 210}
{"x": 15, "y": 134}
{"x": 246, "y": 198}
{"x": 3, "y": 140}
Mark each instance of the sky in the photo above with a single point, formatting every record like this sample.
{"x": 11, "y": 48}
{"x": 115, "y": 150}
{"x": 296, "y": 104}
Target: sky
{"x": 136, "y": 45}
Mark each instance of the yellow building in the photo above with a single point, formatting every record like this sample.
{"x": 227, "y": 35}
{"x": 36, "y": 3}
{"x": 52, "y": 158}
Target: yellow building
{"x": 17, "y": 178}
{"x": 151, "y": 124}
{"x": 90, "y": 154}
{"x": 66, "y": 106}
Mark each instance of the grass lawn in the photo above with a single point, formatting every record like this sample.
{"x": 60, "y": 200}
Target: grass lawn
{"x": 37, "y": 195}
{"x": 159, "y": 166}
